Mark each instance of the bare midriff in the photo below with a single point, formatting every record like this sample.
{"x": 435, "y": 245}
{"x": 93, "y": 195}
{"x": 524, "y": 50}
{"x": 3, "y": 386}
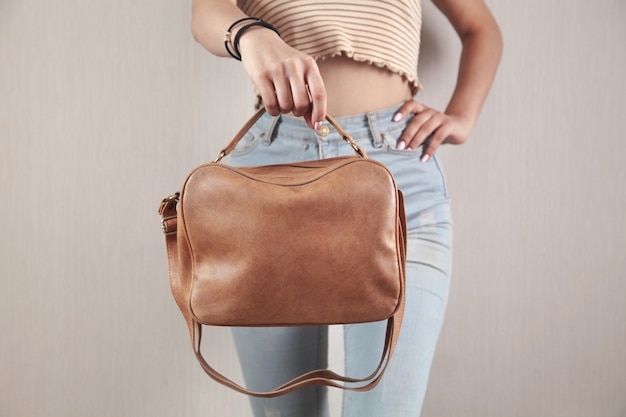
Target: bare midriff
{"x": 356, "y": 87}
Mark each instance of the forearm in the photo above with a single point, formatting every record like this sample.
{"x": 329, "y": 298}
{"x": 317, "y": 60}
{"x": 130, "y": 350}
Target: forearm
{"x": 210, "y": 19}
{"x": 480, "y": 57}
{"x": 287, "y": 80}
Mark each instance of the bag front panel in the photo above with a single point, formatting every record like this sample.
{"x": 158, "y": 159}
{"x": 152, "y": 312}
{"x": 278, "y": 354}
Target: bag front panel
{"x": 267, "y": 248}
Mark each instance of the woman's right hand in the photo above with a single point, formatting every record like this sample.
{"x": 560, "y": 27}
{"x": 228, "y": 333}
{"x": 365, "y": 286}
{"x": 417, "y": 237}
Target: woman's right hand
{"x": 287, "y": 79}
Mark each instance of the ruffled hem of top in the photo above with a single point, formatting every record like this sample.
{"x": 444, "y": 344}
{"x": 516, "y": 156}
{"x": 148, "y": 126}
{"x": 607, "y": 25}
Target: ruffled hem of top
{"x": 414, "y": 83}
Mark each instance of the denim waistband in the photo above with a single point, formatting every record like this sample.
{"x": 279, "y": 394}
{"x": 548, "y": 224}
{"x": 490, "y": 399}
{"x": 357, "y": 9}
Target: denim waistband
{"x": 357, "y": 125}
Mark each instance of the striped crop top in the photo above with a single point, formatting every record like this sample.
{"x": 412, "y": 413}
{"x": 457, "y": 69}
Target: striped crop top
{"x": 385, "y": 33}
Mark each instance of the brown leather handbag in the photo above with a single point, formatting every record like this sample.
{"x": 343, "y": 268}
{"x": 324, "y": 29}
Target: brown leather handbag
{"x": 306, "y": 243}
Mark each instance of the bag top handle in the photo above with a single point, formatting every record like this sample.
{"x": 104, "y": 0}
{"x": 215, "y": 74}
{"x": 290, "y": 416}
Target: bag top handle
{"x": 256, "y": 116}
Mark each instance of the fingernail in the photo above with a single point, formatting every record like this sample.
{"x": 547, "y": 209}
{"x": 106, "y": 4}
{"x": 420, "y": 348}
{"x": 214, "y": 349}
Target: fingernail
{"x": 425, "y": 158}
{"x": 317, "y": 125}
{"x": 397, "y": 117}
{"x": 400, "y": 145}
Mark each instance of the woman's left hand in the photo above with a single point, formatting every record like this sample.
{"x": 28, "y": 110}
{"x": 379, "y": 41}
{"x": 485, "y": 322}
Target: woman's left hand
{"x": 431, "y": 128}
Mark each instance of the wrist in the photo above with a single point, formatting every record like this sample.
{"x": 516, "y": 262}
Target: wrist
{"x": 463, "y": 115}
{"x": 241, "y": 27}
{"x": 257, "y": 37}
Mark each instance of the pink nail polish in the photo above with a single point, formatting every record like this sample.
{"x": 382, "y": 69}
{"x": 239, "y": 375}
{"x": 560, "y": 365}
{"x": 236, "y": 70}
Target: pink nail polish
{"x": 400, "y": 145}
{"x": 317, "y": 125}
{"x": 425, "y": 158}
{"x": 397, "y": 117}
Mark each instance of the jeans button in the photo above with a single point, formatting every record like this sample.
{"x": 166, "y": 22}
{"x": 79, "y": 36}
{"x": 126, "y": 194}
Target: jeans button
{"x": 323, "y": 131}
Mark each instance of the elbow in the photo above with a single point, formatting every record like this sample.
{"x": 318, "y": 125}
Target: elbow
{"x": 497, "y": 39}
{"x": 488, "y": 35}
{"x": 492, "y": 33}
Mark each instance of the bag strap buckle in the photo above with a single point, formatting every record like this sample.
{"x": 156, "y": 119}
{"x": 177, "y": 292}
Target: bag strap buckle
{"x": 167, "y": 211}
{"x": 168, "y": 203}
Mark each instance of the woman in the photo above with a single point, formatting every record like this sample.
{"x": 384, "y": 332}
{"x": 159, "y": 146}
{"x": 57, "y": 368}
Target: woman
{"x": 356, "y": 61}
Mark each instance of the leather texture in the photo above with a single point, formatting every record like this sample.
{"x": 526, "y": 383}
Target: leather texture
{"x": 307, "y": 243}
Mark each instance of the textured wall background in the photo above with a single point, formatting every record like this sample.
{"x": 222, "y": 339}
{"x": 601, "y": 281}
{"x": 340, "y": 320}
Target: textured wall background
{"x": 104, "y": 108}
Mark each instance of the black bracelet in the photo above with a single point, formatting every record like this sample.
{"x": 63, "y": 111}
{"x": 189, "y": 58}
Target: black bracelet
{"x": 241, "y": 31}
{"x": 227, "y": 35}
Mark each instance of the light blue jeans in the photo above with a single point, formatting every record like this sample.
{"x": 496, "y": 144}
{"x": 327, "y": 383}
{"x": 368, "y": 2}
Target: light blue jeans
{"x": 271, "y": 356}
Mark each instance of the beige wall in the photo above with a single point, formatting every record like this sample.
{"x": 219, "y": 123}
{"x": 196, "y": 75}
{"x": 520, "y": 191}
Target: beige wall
{"x": 105, "y": 106}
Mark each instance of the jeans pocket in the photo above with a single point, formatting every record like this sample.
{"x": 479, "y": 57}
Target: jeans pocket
{"x": 389, "y": 136}
{"x": 409, "y": 153}
{"x": 249, "y": 142}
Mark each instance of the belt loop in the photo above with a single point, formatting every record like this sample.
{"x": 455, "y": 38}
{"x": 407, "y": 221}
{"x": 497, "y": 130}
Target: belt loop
{"x": 270, "y": 133}
{"x": 377, "y": 139}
